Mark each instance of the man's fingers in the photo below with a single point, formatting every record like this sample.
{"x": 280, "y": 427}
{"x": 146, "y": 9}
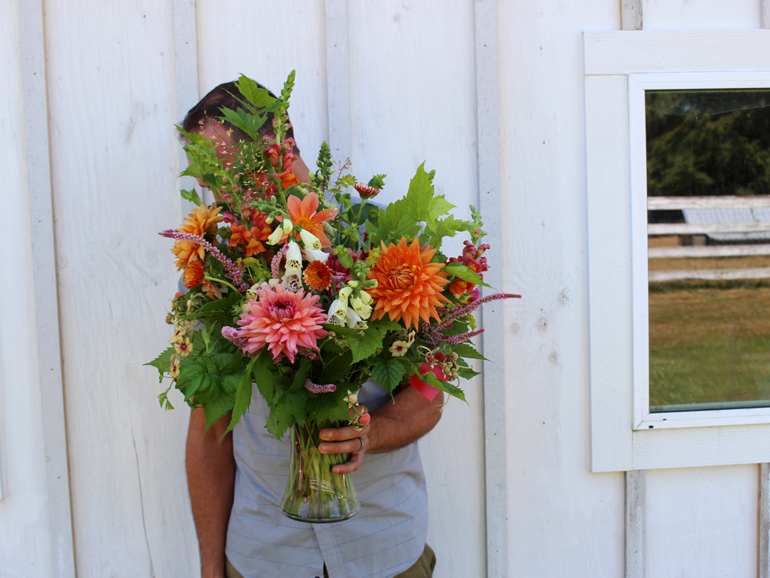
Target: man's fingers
{"x": 351, "y": 466}
{"x": 340, "y": 434}
{"x": 352, "y": 446}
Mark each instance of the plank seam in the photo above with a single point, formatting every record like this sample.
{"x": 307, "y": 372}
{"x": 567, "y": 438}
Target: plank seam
{"x": 45, "y": 279}
{"x": 636, "y": 508}
{"x": 338, "y": 79}
{"x": 764, "y": 521}
{"x": 493, "y": 375}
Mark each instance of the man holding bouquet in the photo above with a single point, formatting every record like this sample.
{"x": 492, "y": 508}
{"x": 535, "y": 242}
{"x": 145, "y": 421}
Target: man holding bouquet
{"x": 236, "y": 482}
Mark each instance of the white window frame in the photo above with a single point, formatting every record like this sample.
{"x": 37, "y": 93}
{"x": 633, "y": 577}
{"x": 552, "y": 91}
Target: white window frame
{"x": 619, "y": 67}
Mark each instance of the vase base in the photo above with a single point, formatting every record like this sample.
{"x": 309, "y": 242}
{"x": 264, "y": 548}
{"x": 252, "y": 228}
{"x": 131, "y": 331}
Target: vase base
{"x": 319, "y": 520}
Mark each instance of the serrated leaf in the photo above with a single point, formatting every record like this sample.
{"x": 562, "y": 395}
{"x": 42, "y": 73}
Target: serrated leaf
{"x": 259, "y": 97}
{"x": 467, "y": 351}
{"x": 163, "y": 362}
{"x": 248, "y": 123}
{"x": 215, "y": 409}
{"x": 284, "y": 415}
{"x": 387, "y": 373}
{"x": 468, "y": 373}
{"x": 227, "y": 362}
{"x": 365, "y": 343}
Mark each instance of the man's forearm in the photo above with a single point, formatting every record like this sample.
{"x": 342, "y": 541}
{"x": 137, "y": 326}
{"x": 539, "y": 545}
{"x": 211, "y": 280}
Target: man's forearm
{"x": 210, "y": 478}
{"x": 402, "y": 421}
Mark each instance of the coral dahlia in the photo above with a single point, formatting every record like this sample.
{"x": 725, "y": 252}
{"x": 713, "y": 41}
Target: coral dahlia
{"x": 282, "y": 320}
{"x": 409, "y": 286}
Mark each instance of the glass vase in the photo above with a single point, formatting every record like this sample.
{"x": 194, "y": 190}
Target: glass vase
{"x": 313, "y": 493}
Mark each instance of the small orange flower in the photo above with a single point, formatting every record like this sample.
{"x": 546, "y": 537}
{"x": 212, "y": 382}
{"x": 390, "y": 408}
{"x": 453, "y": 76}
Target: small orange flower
{"x": 201, "y": 221}
{"x": 409, "y": 286}
{"x": 318, "y": 276}
{"x": 193, "y": 274}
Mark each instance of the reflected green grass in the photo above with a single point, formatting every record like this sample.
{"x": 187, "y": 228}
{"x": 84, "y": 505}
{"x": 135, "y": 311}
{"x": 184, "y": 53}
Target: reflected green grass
{"x": 709, "y": 345}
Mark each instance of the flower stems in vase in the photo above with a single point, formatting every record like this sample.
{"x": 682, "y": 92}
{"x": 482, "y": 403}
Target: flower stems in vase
{"x": 313, "y": 493}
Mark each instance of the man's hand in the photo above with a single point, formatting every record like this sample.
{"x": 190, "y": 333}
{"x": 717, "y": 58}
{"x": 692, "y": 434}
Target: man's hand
{"x": 396, "y": 424}
{"x": 211, "y": 480}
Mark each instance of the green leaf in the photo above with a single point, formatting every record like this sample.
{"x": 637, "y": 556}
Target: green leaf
{"x": 248, "y": 123}
{"x": 365, "y": 343}
{"x": 242, "y": 396}
{"x": 227, "y": 362}
{"x": 192, "y": 196}
{"x": 468, "y": 373}
{"x": 264, "y": 376}
{"x": 446, "y": 386}
{"x": 298, "y": 383}
{"x": 291, "y": 410}
{"x": 259, "y": 97}
{"x": 387, "y": 373}
{"x": 386, "y": 325}
{"x": 163, "y": 362}
{"x": 467, "y": 351}
{"x": 459, "y": 270}
{"x": 215, "y": 409}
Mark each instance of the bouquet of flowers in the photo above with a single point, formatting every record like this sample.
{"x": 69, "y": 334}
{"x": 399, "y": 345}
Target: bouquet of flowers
{"x": 308, "y": 292}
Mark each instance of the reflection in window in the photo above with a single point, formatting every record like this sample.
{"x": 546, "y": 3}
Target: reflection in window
{"x": 708, "y": 194}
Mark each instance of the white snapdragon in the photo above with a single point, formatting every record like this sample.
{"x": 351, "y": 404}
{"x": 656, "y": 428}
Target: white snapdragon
{"x": 311, "y": 256}
{"x": 294, "y": 257}
{"x": 275, "y": 237}
{"x": 310, "y": 240}
{"x": 336, "y": 316}
{"x": 353, "y": 320}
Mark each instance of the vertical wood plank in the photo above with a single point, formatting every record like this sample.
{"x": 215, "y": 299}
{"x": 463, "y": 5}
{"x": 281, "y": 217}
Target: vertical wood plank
{"x": 338, "y": 78}
{"x": 631, "y": 15}
{"x": 764, "y": 520}
{"x": 636, "y": 500}
{"x": 187, "y": 87}
{"x": 114, "y": 161}
{"x": 488, "y": 156}
{"x": 46, "y": 291}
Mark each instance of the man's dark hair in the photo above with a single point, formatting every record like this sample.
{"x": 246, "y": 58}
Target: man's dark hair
{"x": 227, "y": 95}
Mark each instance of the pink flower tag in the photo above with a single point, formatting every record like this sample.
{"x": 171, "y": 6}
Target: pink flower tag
{"x": 427, "y": 390}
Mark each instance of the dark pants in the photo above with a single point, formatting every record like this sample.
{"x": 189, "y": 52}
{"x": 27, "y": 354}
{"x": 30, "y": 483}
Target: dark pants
{"x": 423, "y": 568}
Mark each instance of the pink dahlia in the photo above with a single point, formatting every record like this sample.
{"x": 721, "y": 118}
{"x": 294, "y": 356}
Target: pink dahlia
{"x": 282, "y": 320}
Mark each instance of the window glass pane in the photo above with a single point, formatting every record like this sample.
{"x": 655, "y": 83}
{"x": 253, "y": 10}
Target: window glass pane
{"x": 708, "y": 192}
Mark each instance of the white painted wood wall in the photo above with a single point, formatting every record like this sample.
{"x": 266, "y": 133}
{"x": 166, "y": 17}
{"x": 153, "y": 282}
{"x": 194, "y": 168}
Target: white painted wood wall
{"x": 91, "y": 469}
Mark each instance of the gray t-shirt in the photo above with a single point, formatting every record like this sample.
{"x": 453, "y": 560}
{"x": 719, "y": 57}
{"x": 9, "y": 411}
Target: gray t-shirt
{"x": 385, "y": 538}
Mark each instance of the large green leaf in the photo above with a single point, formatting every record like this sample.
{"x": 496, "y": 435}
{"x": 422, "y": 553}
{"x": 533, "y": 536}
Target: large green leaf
{"x": 387, "y": 373}
{"x": 256, "y": 95}
{"x": 365, "y": 343}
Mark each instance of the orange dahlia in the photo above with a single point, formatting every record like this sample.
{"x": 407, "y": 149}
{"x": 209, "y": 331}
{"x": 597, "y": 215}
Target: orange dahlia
{"x": 201, "y": 221}
{"x": 409, "y": 286}
{"x": 193, "y": 274}
{"x": 318, "y": 276}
